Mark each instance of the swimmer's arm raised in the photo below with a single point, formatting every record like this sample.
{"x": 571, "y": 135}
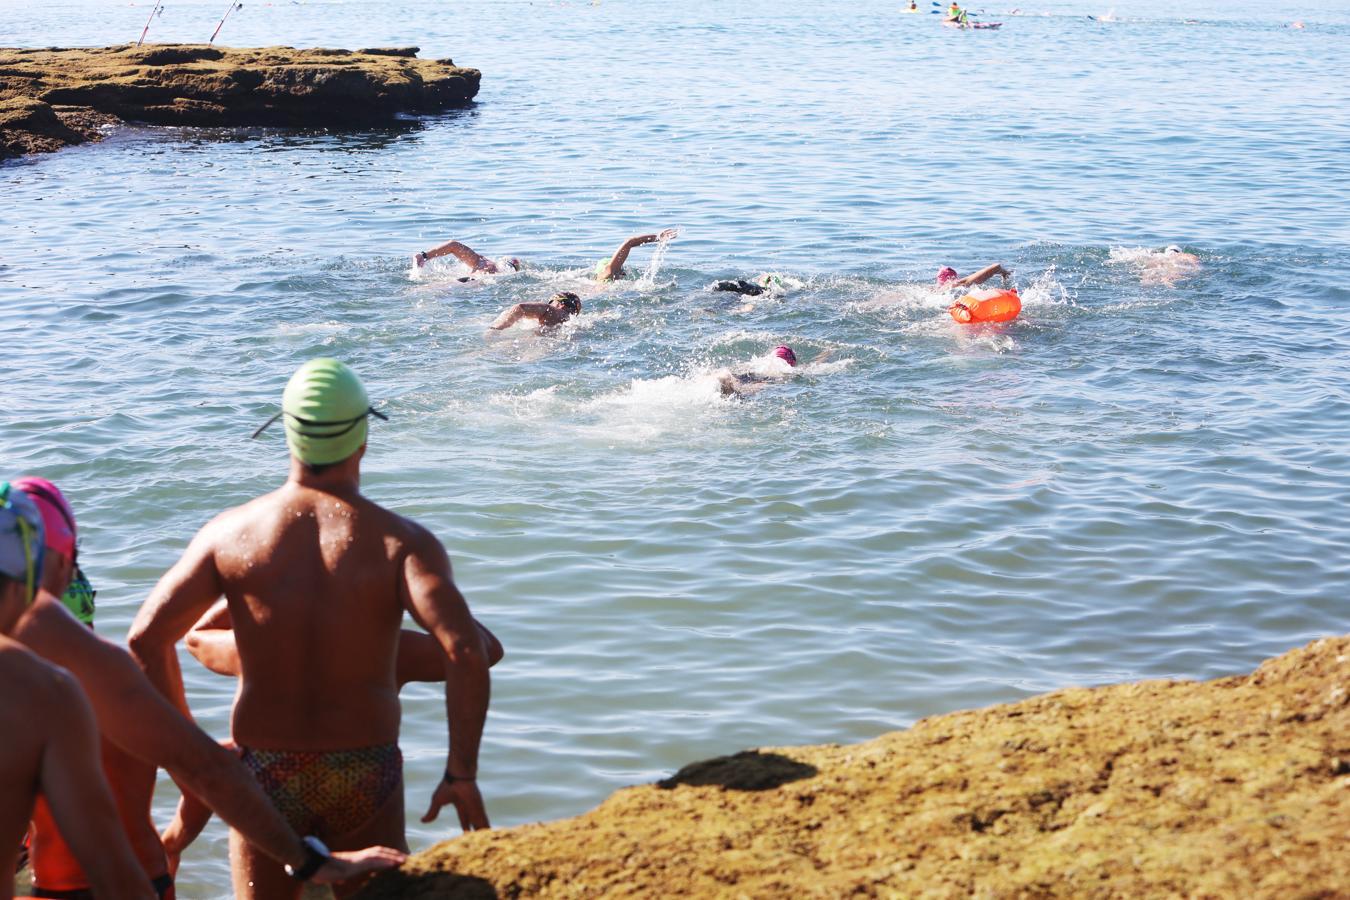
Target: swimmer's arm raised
{"x": 81, "y": 803}
{"x": 614, "y": 268}
{"x": 464, "y": 254}
{"x": 430, "y": 595}
{"x": 984, "y": 275}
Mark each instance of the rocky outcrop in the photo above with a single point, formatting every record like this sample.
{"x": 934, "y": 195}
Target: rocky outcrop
{"x": 51, "y": 98}
{"x": 1237, "y": 788}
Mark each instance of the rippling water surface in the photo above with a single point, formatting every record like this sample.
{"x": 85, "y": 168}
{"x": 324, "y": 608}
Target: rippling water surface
{"x": 1136, "y": 479}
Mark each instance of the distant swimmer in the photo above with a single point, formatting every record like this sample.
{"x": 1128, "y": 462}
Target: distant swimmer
{"x": 947, "y": 277}
{"x": 1169, "y": 266}
{"x": 767, "y": 283}
{"x": 560, "y": 307}
{"x": 477, "y": 263}
{"x": 51, "y": 739}
{"x": 742, "y": 384}
{"x": 612, "y": 268}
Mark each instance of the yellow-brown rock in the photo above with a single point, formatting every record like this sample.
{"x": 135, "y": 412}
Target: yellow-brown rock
{"x": 1236, "y": 788}
{"x": 53, "y": 97}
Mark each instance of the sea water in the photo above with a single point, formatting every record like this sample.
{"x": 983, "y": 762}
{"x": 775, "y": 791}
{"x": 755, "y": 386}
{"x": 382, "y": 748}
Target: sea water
{"x": 1141, "y": 477}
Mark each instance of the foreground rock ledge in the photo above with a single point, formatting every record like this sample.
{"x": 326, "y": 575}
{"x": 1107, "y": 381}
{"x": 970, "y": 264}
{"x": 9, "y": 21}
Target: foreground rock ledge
{"x": 1232, "y": 788}
{"x": 53, "y": 98}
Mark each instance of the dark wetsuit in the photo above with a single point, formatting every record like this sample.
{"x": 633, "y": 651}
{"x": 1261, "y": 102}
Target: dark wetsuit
{"x": 740, "y": 286}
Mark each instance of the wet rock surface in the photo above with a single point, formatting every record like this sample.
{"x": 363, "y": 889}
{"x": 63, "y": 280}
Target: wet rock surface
{"x": 1238, "y": 787}
{"x": 51, "y": 98}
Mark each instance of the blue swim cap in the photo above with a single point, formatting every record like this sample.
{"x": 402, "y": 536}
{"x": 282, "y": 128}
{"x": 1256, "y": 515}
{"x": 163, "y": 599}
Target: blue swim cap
{"x": 21, "y": 538}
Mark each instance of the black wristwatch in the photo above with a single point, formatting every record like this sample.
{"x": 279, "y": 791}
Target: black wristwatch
{"x": 316, "y": 854}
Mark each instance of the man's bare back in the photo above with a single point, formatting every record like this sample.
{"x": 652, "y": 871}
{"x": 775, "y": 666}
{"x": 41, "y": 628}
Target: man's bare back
{"x": 312, "y": 580}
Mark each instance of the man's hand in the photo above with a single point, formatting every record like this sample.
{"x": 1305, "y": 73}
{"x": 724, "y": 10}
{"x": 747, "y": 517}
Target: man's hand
{"x": 668, "y": 235}
{"x": 346, "y": 865}
{"x": 463, "y": 793}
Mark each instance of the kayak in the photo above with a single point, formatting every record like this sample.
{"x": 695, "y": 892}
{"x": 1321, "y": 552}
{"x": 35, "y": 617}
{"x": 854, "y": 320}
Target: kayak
{"x": 977, "y": 25}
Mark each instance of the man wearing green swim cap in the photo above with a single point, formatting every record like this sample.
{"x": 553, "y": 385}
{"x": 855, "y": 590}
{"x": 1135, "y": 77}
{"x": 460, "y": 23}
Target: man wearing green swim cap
{"x": 317, "y": 579}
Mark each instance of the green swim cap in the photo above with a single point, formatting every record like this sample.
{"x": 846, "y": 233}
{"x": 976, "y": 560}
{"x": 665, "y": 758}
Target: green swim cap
{"x": 325, "y": 409}
{"x": 79, "y": 598}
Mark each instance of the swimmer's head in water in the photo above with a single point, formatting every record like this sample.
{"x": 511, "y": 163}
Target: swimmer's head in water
{"x": 1171, "y": 248}
{"x": 784, "y": 352}
{"x": 325, "y": 409}
{"x": 21, "y": 539}
{"x": 946, "y": 273}
{"x": 515, "y": 264}
{"x": 567, "y": 300}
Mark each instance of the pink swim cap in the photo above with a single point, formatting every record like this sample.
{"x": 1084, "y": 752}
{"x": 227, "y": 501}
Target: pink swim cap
{"x": 58, "y": 519}
{"x": 946, "y": 274}
{"x": 784, "y": 352}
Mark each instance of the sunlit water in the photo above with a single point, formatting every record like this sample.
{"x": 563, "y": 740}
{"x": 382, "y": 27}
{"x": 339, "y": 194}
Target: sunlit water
{"x": 1137, "y": 479}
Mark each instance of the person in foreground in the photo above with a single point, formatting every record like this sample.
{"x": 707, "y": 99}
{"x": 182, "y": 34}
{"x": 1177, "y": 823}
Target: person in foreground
{"x": 559, "y": 308}
{"x": 743, "y": 384}
{"x": 57, "y": 871}
{"x": 135, "y": 718}
{"x": 51, "y": 741}
{"x": 476, "y": 262}
{"x": 317, "y": 579}
{"x": 947, "y": 277}
{"x": 612, "y": 268}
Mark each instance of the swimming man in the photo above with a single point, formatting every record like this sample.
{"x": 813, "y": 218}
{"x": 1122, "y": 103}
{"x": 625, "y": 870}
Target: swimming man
{"x": 477, "y": 263}
{"x": 317, "y": 579}
{"x": 743, "y": 384}
{"x": 947, "y": 277}
{"x": 51, "y": 741}
{"x": 612, "y": 268}
{"x": 559, "y": 308}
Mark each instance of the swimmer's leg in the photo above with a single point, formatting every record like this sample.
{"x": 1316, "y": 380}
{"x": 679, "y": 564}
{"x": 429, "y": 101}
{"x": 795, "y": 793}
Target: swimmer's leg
{"x": 386, "y": 828}
{"x": 256, "y": 875}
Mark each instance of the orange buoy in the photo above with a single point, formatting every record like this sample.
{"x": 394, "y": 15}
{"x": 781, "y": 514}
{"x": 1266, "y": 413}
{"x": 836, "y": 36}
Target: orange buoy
{"x": 993, "y": 305}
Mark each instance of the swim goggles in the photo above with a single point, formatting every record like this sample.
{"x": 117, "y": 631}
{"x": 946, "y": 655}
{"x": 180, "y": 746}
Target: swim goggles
{"x": 30, "y": 537}
{"x": 310, "y": 423}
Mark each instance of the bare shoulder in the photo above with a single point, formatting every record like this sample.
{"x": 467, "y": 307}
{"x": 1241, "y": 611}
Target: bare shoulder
{"x": 405, "y": 538}
{"x": 32, "y": 679}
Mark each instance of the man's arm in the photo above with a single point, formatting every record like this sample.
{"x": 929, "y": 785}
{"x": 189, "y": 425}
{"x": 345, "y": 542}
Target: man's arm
{"x": 430, "y": 595}
{"x": 464, "y": 254}
{"x": 614, "y": 268}
{"x": 81, "y": 803}
{"x": 984, "y": 275}
{"x": 420, "y": 657}
{"x": 540, "y": 312}
{"x": 211, "y": 641}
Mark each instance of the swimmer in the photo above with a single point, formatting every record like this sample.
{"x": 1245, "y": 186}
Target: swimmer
{"x": 743, "y": 384}
{"x": 612, "y": 268}
{"x": 318, "y": 578}
{"x": 211, "y": 641}
{"x": 477, "y": 263}
{"x": 1169, "y": 266}
{"x": 559, "y": 308}
{"x": 948, "y": 278}
{"x": 136, "y": 718}
{"x": 51, "y": 739}
{"x": 767, "y": 283}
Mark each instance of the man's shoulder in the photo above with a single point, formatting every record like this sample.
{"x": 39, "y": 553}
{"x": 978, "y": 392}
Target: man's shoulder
{"x": 28, "y": 675}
